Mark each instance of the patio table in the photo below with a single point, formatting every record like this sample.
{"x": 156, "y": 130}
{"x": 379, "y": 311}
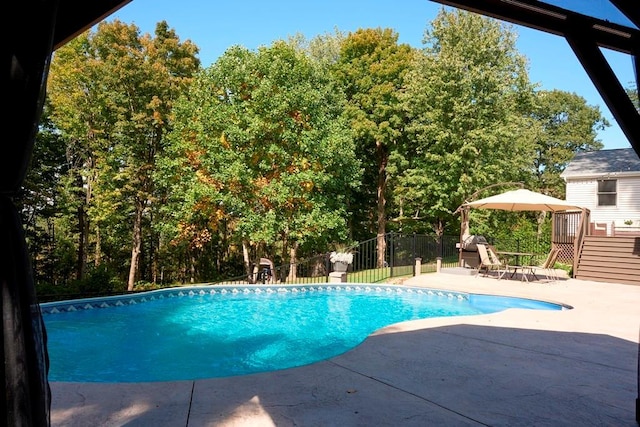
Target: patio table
{"x": 517, "y": 266}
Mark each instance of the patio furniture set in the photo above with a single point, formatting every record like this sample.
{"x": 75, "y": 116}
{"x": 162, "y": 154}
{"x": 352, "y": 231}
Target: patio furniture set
{"x": 509, "y": 266}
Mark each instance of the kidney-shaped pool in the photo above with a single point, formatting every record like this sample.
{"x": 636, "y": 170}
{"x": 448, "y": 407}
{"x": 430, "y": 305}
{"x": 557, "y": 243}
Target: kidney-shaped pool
{"x": 212, "y": 331}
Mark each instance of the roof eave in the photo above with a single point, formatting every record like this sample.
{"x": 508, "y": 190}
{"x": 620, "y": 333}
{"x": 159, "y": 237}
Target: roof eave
{"x": 601, "y": 175}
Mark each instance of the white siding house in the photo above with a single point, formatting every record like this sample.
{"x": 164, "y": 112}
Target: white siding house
{"x": 607, "y": 182}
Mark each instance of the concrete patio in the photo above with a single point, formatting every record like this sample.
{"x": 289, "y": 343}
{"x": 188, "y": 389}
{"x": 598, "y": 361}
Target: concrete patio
{"x": 575, "y": 367}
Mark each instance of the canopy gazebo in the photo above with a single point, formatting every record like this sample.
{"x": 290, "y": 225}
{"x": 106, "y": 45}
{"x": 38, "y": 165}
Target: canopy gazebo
{"x": 526, "y": 200}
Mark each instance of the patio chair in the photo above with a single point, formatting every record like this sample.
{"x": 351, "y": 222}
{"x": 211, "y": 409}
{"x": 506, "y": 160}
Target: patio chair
{"x": 502, "y": 266}
{"x": 547, "y": 266}
{"x": 489, "y": 261}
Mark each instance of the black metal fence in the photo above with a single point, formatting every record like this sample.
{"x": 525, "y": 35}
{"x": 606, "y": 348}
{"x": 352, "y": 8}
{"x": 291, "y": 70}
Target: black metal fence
{"x": 398, "y": 260}
{"x": 401, "y": 256}
{"x": 540, "y": 247}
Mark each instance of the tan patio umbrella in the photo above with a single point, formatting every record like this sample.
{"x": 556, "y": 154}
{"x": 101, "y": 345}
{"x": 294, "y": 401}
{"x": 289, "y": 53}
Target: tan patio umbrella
{"x": 527, "y": 200}
{"x": 523, "y": 200}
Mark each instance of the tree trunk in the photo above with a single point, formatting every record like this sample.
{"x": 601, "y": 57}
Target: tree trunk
{"x": 247, "y": 261}
{"x": 51, "y": 248}
{"x": 83, "y": 236}
{"x": 192, "y": 268}
{"x": 439, "y": 228}
{"x": 383, "y": 158}
{"x": 464, "y": 231}
{"x": 83, "y": 222}
{"x": 540, "y": 220}
{"x": 136, "y": 247}
{"x": 293, "y": 261}
{"x": 154, "y": 260}
{"x": 98, "y": 253}
{"x": 260, "y": 251}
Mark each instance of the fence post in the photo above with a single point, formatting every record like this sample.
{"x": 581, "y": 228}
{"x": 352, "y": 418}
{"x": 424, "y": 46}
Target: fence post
{"x": 413, "y": 245}
{"x": 327, "y": 266}
{"x": 417, "y": 267}
{"x": 391, "y": 254}
{"x": 440, "y": 253}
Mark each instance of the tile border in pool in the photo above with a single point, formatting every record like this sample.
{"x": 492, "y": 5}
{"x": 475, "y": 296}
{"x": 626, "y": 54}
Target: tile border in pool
{"x": 191, "y": 291}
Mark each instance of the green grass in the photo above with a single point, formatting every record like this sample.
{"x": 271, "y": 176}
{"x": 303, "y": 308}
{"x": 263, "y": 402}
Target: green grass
{"x": 369, "y": 276}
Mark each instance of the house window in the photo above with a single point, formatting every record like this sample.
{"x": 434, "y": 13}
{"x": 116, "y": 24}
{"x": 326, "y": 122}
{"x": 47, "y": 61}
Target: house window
{"x": 607, "y": 192}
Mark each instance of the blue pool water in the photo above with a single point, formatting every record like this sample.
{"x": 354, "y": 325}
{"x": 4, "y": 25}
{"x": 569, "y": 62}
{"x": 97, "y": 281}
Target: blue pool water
{"x": 207, "y": 332}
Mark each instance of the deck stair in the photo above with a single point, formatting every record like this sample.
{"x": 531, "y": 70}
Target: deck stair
{"x": 610, "y": 259}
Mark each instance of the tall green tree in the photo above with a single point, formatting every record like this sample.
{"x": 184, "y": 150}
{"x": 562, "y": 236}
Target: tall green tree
{"x": 371, "y": 69}
{"x": 112, "y": 93}
{"x": 41, "y": 204}
{"x": 468, "y": 98}
{"x": 565, "y": 125}
{"x": 259, "y": 148}
{"x": 70, "y": 90}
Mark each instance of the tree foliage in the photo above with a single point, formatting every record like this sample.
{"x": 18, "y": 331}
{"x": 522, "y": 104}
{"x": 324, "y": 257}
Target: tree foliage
{"x": 112, "y": 92}
{"x": 371, "y": 70}
{"x": 41, "y": 203}
{"x": 324, "y": 49}
{"x": 467, "y": 98}
{"x": 259, "y": 146}
{"x": 633, "y": 95}
{"x": 565, "y": 125}
{"x": 283, "y": 151}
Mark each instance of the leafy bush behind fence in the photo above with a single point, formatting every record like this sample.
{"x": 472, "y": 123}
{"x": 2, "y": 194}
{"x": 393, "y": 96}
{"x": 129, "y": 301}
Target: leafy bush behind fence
{"x": 401, "y": 252}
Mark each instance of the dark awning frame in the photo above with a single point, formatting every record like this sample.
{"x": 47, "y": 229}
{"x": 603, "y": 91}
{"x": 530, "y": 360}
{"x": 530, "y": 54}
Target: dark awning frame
{"x": 586, "y": 35}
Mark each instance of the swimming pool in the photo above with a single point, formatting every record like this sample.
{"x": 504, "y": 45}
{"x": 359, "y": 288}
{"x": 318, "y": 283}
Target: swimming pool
{"x": 210, "y": 331}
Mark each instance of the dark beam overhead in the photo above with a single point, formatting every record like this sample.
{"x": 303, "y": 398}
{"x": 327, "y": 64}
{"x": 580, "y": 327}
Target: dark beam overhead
{"x": 73, "y": 17}
{"x": 605, "y": 80}
{"x": 555, "y": 20}
{"x": 586, "y": 35}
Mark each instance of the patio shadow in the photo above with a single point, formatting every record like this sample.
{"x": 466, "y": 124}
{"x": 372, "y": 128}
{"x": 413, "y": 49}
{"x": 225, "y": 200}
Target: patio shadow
{"x": 450, "y": 375}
